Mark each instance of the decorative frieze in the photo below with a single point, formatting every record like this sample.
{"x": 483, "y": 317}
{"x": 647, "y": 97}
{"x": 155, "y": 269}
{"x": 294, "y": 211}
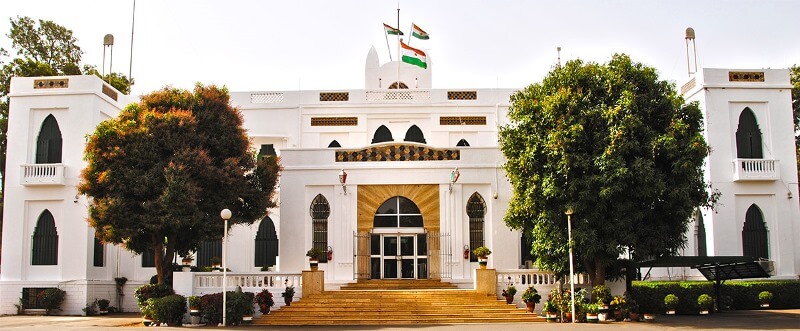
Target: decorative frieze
{"x": 51, "y": 83}
{"x": 270, "y": 97}
{"x": 462, "y": 120}
{"x": 334, "y": 121}
{"x": 334, "y": 96}
{"x": 746, "y": 76}
{"x": 397, "y": 152}
{"x": 688, "y": 86}
{"x": 462, "y": 95}
{"x": 107, "y": 90}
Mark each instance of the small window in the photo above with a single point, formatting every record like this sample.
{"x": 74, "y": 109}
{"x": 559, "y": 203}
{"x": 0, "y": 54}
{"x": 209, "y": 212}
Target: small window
{"x": 334, "y": 144}
{"x": 320, "y": 211}
{"x": 99, "y": 253}
{"x": 414, "y": 134}
{"x": 701, "y": 234}
{"x": 266, "y": 244}
{"x": 476, "y": 209}
{"x": 148, "y": 258}
{"x": 45, "y": 240}
{"x": 755, "y": 238}
{"x": 463, "y": 142}
{"x": 48, "y": 144}
{"x": 266, "y": 150}
{"x": 382, "y": 134}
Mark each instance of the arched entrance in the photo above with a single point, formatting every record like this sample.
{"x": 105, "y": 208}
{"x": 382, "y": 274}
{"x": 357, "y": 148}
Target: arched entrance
{"x": 398, "y": 243}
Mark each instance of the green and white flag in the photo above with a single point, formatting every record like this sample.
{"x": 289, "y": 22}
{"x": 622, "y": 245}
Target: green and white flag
{"x": 419, "y": 33}
{"x": 413, "y": 56}
{"x": 392, "y": 31}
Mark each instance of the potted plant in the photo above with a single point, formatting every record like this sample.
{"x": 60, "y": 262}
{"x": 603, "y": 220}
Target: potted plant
{"x": 102, "y": 305}
{"x": 592, "y": 312}
{"x": 509, "y": 293}
{"x": 482, "y": 253}
{"x": 288, "y": 293}
{"x": 551, "y": 311}
{"x": 51, "y": 299}
{"x": 264, "y": 301}
{"x": 194, "y": 309}
{"x": 531, "y": 297}
{"x": 618, "y": 306}
{"x": 602, "y": 294}
{"x": 671, "y": 303}
{"x": 148, "y": 311}
{"x": 765, "y": 297}
{"x": 633, "y": 310}
{"x": 313, "y": 257}
{"x": 705, "y": 302}
{"x": 216, "y": 262}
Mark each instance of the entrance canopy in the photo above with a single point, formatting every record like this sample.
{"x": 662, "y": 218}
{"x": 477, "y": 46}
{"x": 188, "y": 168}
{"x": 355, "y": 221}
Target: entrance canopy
{"x": 714, "y": 268}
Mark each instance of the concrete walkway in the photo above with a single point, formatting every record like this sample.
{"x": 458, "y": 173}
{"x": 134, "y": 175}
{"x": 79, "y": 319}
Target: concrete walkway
{"x": 735, "y": 320}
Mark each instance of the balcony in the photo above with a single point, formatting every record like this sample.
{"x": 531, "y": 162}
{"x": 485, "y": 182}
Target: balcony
{"x": 755, "y": 170}
{"x": 42, "y": 174}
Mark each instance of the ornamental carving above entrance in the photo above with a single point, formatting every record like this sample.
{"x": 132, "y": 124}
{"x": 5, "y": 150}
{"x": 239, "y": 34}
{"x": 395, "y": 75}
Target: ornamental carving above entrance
{"x": 397, "y": 152}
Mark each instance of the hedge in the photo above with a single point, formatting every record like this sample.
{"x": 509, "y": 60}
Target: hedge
{"x": 239, "y": 304}
{"x": 736, "y": 295}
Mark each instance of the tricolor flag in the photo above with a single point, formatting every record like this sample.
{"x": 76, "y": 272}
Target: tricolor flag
{"x": 392, "y": 31}
{"x": 413, "y": 56}
{"x": 419, "y": 33}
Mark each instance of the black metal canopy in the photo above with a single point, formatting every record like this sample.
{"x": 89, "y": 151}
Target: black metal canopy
{"x": 737, "y": 270}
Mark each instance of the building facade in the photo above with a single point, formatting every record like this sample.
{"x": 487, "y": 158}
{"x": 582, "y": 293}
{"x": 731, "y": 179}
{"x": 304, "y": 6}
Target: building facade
{"x": 394, "y": 181}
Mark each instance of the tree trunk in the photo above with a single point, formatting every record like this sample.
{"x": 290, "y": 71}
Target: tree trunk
{"x": 158, "y": 255}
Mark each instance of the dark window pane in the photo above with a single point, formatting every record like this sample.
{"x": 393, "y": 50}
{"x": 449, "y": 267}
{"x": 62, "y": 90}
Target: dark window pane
{"x": 389, "y": 246}
{"x": 407, "y": 246}
{"x": 411, "y": 221}
{"x": 375, "y": 268}
{"x": 98, "y": 253}
{"x": 266, "y": 250}
{"x": 388, "y": 207}
{"x": 422, "y": 268}
{"x": 422, "y": 245}
{"x": 385, "y": 221}
{"x": 375, "y": 244}
{"x": 382, "y": 134}
{"x": 407, "y": 206}
{"x": 390, "y": 268}
{"x": 407, "y": 267}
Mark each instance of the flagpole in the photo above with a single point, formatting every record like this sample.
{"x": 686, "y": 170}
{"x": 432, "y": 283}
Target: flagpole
{"x": 411, "y": 35}
{"x": 386, "y": 35}
{"x": 399, "y": 57}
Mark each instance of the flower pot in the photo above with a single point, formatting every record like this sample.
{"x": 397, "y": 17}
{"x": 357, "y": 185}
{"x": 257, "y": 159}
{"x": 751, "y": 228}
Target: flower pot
{"x": 633, "y": 316}
{"x": 247, "y": 319}
{"x": 147, "y": 321}
{"x": 509, "y": 299}
{"x": 619, "y": 315}
{"x": 592, "y": 318}
{"x": 649, "y": 317}
{"x": 671, "y": 312}
{"x": 186, "y": 268}
{"x": 551, "y": 316}
{"x": 530, "y": 306}
{"x": 195, "y": 319}
{"x": 186, "y": 262}
{"x": 567, "y": 318}
{"x": 704, "y": 312}
{"x": 482, "y": 262}
{"x": 287, "y": 301}
{"x": 314, "y": 264}
{"x": 194, "y": 311}
{"x": 764, "y": 305}
{"x": 601, "y": 317}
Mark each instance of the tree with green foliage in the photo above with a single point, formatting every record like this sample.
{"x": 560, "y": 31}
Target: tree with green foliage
{"x": 616, "y": 145}
{"x": 160, "y": 173}
{"x": 794, "y": 78}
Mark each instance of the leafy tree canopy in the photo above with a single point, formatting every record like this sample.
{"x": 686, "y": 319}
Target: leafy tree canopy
{"x": 794, "y": 77}
{"x": 161, "y": 172}
{"x": 616, "y": 145}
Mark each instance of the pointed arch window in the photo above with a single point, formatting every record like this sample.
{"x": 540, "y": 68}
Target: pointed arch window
{"x": 320, "y": 211}
{"x": 208, "y": 250}
{"x": 382, "y": 134}
{"x": 748, "y": 136}
{"x": 415, "y": 134}
{"x": 398, "y": 85}
{"x": 266, "y": 244}
{"x": 755, "y": 238}
{"x": 463, "y": 142}
{"x": 334, "y": 144}
{"x": 700, "y": 234}
{"x": 398, "y": 212}
{"x": 45, "y": 240}
{"x": 476, "y": 209}
{"x": 48, "y": 144}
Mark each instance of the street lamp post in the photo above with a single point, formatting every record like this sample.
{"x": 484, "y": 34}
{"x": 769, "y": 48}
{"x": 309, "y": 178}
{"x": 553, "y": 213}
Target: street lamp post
{"x": 571, "y": 264}
{"x": 226, "y": 215}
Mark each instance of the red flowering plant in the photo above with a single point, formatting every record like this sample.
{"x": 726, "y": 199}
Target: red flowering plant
{"x": 264, "y": 301}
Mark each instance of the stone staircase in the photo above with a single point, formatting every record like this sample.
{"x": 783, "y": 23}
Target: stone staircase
{"x": 390, "y": 302}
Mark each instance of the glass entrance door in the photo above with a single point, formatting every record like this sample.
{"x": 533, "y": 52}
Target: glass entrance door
{"x": 399, "y": 256}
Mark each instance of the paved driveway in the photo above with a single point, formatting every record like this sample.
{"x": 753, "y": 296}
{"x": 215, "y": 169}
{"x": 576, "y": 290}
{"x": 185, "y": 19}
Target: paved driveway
{"x": 736, "y": 320}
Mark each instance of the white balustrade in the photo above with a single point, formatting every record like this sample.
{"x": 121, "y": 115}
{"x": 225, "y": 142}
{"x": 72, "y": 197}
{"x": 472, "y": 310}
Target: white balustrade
{"x": 755, "y": 169}
{"x": 399, "y": 95}
{"x": 42, "y": 174}
{"x": 211, "y": 282}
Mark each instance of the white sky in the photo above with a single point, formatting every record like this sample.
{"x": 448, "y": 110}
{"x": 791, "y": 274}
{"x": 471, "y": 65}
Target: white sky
{"x": 323, "y": 44}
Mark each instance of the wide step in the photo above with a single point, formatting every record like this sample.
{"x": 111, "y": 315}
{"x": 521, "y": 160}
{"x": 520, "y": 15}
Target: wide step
{"x": 397, "y": 303}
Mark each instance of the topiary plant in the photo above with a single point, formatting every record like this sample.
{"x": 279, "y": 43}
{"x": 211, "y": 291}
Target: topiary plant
{"x": 705, "y": 302}
{"x": 144, "y": 292}
{"x": 482, "y": 252}
{"x": 765, "y": 297}
{"x": 671, "y": 301}
{"x": 169, "y": 309}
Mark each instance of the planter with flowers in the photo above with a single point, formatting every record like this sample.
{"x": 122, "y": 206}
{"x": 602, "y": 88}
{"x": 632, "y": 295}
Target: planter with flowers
{"x": 482, "y": 253}
{"x": 531, "y": 297}
{"x": 705, "y": 302}
{"x": 313, "y": 257}
{"x": 264, "y": 301}
{"x": 765, "y": 297}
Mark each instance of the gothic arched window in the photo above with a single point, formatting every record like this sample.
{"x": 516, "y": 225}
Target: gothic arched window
{"x": 266, "y": 244}
{"x": 476, "y": 209}
{"x": 320, "y": 211}
{"x": 748, "y": 136}
{"x": 48, "y": 144}
{"x": 382, "y": 134}
{"x": 45, "y": 240}
{"x": 755, "y": 238}
{"x": 415, "y": 134}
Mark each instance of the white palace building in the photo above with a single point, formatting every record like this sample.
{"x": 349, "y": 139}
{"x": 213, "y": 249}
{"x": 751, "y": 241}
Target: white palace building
{"x": 396, "y": 180}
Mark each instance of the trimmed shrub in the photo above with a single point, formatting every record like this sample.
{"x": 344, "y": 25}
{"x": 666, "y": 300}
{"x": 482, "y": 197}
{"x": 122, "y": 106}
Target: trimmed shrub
{"x": 743, "y": 294}
{"x": 169, "y": 309}
{"x": 705, "y": 302}
{"x": 238, "y": 304}
{"x": 51, "y": 299}
{"x": 148, "y": 291}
